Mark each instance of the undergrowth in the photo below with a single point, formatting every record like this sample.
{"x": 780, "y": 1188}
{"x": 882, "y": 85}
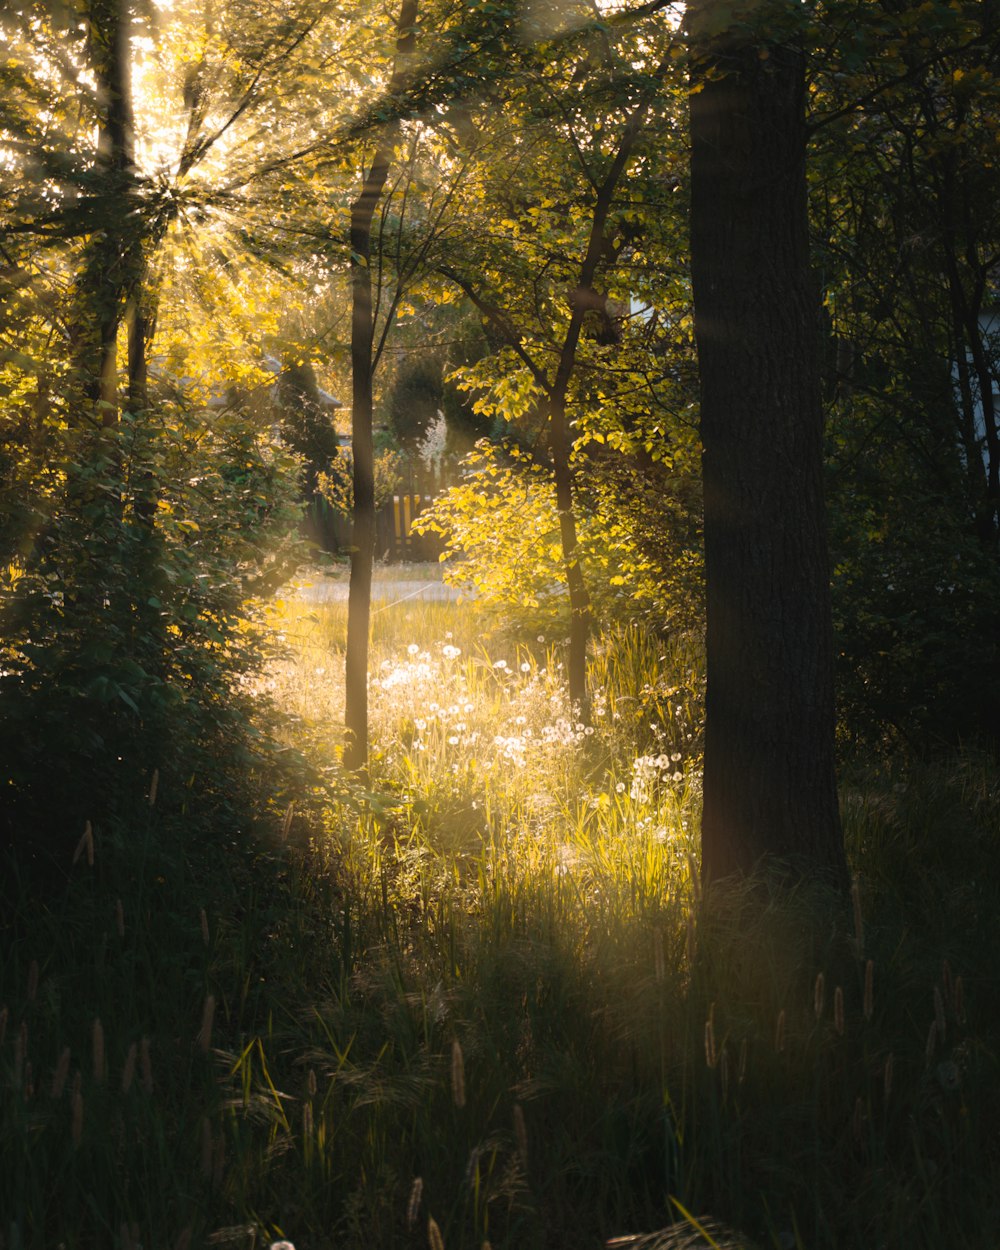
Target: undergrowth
{"x": 483, "y": 1000}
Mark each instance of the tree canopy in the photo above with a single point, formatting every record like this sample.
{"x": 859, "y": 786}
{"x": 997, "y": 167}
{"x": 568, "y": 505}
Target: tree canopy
{"x": 188, "y": 188}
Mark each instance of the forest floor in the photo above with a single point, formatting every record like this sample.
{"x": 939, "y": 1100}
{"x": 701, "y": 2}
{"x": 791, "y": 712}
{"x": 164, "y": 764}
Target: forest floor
{"x": 481, "y": 1001}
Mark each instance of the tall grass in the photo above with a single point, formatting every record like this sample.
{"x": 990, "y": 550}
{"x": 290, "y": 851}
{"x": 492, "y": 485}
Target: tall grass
{"x": 483, "y": 1001}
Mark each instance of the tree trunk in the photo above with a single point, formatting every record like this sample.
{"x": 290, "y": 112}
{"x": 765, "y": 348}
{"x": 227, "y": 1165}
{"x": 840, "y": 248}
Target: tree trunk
{"x": 114, "y": 258}
{"x": 362, "y": 369}
{"x": 770, "y": 787}
{"x": 560, "y": 442}
{"x": 362, "y": 443}
{"x": 579, "y": 601}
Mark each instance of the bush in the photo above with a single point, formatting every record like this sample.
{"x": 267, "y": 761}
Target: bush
{"x": 129, "y": 631}
{"x": 501, "y": 532}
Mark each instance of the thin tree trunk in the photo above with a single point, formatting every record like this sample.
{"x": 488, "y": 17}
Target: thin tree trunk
{"x": 770, "y": 788}
{"x": 362, "y": 368}
{"x": 140, "y": 332}
{"x": 114, "y": 257}
{"x": 560, "y": 445}
{"x": 560, "y": 442}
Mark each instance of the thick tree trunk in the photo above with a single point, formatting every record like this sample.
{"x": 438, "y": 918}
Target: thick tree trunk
{"x": 770, "y": 789}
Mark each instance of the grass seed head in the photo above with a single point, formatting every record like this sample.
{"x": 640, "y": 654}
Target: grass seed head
{"x": 153, "y": 787}
{"x": 120, "y": 918}
{"x": 413, "y": 1206}
{"x": 203, "y": 920}
{"x": 819, "y": 995}
{"x": 434, "y": 1238}
{"x": 457, "y": 1074}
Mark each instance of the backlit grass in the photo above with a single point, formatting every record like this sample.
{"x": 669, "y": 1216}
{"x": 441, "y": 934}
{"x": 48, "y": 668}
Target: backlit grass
{"x": 482, "y": 1000}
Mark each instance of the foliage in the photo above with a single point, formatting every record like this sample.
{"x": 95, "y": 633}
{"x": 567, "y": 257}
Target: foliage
{"x": 414, "y": 401}
{"x": 305, "y": 427}
{"x": 501, "y": 533}
{"x": 907, "y": 235}
{"x": 129, "y": 628}
{"x": 336, "y": 486}
{"x": 910, "y": 581}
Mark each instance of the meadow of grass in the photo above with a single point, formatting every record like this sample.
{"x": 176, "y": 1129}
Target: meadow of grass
{"x": 481, "y": 1001}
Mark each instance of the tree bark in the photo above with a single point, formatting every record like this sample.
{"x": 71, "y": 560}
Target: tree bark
{"x": 114, "y": 260}
{"x": 770, "y": 786}
{"x": 362, "y": 370}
